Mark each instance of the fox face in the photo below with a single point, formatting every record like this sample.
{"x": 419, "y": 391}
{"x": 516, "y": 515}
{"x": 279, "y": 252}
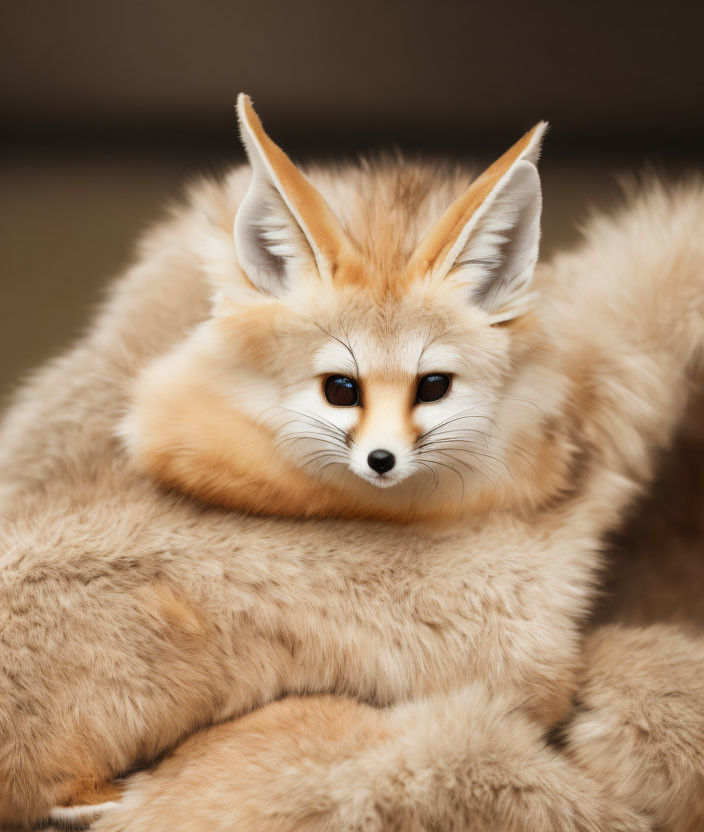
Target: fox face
{"x": 384, "y": 390}
{"x": 377, "y": 379}
{"x": 386, "y": 376}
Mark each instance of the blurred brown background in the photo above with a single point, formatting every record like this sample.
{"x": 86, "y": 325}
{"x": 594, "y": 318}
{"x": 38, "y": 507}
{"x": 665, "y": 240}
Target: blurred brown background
{"x": 108, "y": 106}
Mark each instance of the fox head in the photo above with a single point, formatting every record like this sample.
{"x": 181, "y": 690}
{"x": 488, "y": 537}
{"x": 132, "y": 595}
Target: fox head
{"x": 367, "y": 377}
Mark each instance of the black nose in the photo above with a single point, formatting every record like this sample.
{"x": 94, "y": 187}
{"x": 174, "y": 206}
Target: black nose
{"x": 381, "y": 461}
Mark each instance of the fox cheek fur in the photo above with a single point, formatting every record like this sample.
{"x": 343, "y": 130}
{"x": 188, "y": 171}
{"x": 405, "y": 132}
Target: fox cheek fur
{"x": 302, "y": 303}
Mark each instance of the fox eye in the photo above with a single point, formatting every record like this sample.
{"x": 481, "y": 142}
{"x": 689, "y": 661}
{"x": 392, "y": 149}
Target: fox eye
{"x": 341, "y": 391}
{"x": 432, "y": 387}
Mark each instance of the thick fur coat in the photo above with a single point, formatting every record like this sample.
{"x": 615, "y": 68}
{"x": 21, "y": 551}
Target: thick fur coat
{"x": 131, "y": 616}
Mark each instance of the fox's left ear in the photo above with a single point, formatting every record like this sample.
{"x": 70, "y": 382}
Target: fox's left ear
{"x": 488, "y": 240}
{"x": 283, "y": 224}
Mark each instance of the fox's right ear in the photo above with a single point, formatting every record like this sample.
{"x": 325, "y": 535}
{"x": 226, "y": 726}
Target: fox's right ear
{"x": 283, "y": 226}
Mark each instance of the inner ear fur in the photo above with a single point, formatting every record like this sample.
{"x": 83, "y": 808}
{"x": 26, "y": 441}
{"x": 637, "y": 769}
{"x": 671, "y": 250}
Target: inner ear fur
{"x": 283, "y": 220}
{"x": 493, "y": 225}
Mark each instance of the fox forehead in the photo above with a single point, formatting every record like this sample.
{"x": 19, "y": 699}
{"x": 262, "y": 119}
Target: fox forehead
{"x": 321, "y": 329}
{"x": 424, "y": 332}
{"x": 369, "y": 358}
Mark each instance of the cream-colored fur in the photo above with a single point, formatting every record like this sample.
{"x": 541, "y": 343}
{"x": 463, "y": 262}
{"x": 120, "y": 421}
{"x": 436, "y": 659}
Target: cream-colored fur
{"x": 132, "y": 616}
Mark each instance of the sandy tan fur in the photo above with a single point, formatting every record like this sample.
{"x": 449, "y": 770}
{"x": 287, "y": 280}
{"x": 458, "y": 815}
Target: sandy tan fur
{"x": 460, "y": 762}
{"x": 159, "y": 615}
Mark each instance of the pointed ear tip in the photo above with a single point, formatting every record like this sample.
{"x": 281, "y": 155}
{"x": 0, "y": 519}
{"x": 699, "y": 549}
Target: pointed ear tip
{"x": 535, "y": 139}
{"x": 539, "y": 129}
{"x": 244, "y": 106}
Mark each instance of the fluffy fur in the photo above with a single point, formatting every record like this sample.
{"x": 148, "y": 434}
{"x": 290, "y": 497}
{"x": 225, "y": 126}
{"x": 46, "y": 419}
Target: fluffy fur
{"x": 131, "y": 616}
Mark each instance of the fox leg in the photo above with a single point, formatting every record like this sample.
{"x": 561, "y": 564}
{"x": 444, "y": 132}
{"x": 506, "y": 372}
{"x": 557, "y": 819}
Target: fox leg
{"x": 639, "y": 723}
{"x": 460, "y": 761}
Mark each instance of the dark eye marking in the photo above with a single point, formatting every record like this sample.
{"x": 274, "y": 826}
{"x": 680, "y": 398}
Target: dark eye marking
{"x": 341, "y": 391}
{"x": 432, "y": 387}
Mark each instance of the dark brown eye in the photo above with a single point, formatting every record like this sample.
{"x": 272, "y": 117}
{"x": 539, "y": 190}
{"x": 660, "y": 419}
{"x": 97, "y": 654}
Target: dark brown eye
{"x": 341, "y": 391}
{"x": 432, "y": 387}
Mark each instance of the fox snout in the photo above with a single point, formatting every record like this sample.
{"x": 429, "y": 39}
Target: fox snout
{"x": 385, "y": 436}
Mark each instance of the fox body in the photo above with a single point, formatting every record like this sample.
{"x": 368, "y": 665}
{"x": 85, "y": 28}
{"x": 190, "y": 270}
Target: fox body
{"x": 356, "y": 352}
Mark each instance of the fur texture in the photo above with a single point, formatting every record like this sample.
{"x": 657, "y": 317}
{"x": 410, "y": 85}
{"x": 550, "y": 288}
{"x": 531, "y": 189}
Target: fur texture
{"x": 131, "y": 616}
{"x": 466, "y": 760}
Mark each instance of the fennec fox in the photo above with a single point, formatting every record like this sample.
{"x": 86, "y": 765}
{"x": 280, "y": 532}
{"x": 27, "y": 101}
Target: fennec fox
{"x": 372, "y": 344}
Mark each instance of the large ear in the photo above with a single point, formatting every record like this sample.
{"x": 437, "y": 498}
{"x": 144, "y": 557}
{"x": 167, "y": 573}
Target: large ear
{"x": 488, "y": 239}
{"x": 283, "y": 224}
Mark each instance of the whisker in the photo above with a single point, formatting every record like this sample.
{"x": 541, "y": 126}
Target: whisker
{"x": 445, "y": 439}
{"x": 525, "y": 401}
{"x": 321, "y": 452}
{"x": 474, "y": 453}
{"x": 512, "y": 446}
{"x": 428, "y": 341}
{"x": 312, "y": 418}
{"x": 333, "y": 439}
{"x": 305, "y": 416}
{"x": 344, "y": 344}
{"x": 319, "y": 463}
{"x": 466, "y": 438}
{"x": 475, "y": 468}
{"x": 454, "y": 471}
{"x": 432, "y": 470}
{"x": 327, "y": 465}
{"x": 284, "y": 440}
{"x": 466, "y": 414}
